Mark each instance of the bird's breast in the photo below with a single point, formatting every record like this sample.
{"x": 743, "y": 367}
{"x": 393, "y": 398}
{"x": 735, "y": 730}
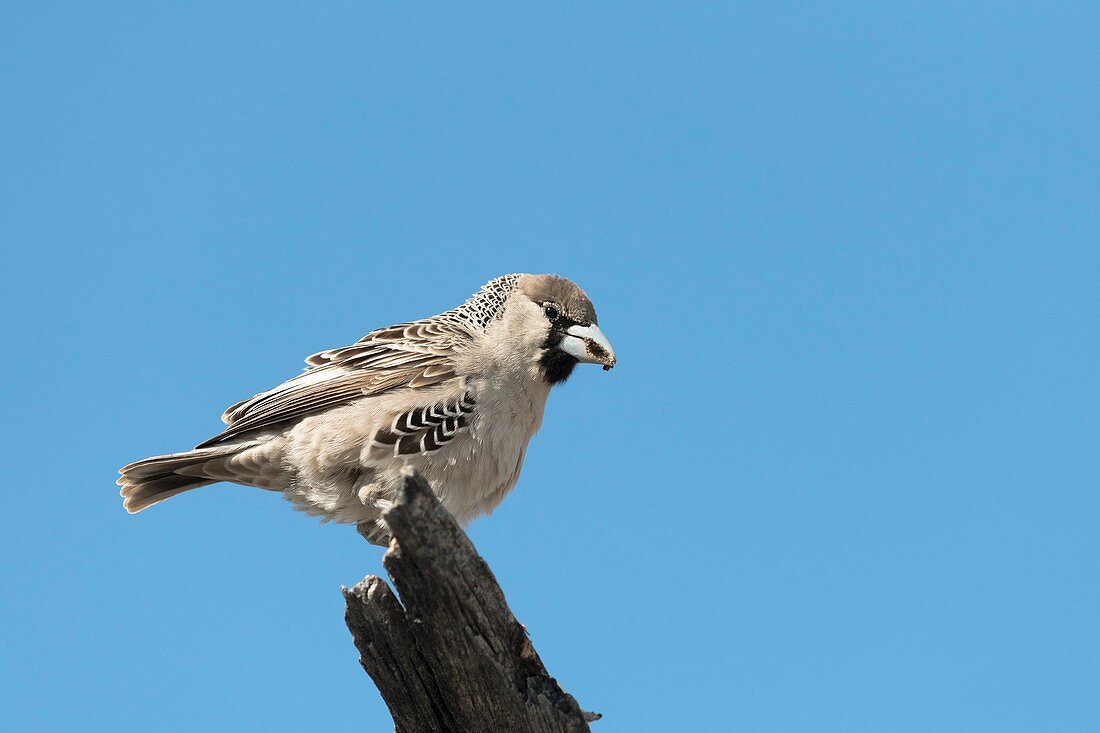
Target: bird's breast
{"x": 478, "y": 471}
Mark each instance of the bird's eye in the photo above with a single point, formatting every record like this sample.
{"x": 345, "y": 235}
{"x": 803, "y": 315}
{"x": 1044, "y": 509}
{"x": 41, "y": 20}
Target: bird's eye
{"x": 551, "y": 311}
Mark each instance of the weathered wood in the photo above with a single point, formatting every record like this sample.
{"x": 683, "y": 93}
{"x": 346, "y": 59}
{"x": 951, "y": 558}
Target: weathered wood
{"x": 389, "y": 654}
{"x": 450, "y": 657}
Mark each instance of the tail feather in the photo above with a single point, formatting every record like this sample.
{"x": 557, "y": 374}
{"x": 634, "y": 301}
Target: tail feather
{"x": 155, "y": 479}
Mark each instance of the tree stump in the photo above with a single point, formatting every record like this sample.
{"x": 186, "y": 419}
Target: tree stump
{"x": 449, "y": 656}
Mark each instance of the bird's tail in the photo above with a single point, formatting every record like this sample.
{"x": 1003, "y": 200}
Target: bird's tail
{"x": 155, "y": 479}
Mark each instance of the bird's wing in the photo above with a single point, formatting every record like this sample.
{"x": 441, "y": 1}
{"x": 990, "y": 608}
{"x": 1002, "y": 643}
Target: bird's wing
{"x": 418, "y": 354}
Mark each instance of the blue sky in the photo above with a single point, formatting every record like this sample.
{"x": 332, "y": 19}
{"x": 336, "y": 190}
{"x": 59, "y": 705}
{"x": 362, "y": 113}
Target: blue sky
{"x": 844, "y": 478}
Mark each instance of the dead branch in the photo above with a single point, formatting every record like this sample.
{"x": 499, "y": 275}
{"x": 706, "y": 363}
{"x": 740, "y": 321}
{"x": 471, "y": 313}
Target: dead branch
{"x": 449, "y": 656}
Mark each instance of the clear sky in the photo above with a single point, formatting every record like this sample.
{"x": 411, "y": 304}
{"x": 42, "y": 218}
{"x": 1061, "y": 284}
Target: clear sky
{"x": 843, "y": 479}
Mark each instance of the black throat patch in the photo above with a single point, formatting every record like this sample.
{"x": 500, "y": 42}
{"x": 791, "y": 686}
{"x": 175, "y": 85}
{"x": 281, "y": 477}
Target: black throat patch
{"x": 556, "y": 365}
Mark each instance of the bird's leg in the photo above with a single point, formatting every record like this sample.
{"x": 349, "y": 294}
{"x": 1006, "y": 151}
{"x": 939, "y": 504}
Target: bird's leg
{"x": 374, "y": 530}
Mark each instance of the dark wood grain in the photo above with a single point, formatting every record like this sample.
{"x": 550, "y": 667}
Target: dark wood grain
{"x": 449, "y": 657}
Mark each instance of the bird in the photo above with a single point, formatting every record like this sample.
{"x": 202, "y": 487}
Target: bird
{"x": 456, "y": 397}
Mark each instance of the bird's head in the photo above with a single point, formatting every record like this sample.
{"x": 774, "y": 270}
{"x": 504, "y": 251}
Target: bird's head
{"x": 556, "y": 324}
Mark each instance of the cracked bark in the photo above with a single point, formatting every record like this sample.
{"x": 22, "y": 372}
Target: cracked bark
{"x": 449, "y": 656}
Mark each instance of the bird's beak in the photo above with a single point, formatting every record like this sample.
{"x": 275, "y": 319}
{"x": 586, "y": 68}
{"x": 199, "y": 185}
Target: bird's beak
{"x": 588, "y": 345}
